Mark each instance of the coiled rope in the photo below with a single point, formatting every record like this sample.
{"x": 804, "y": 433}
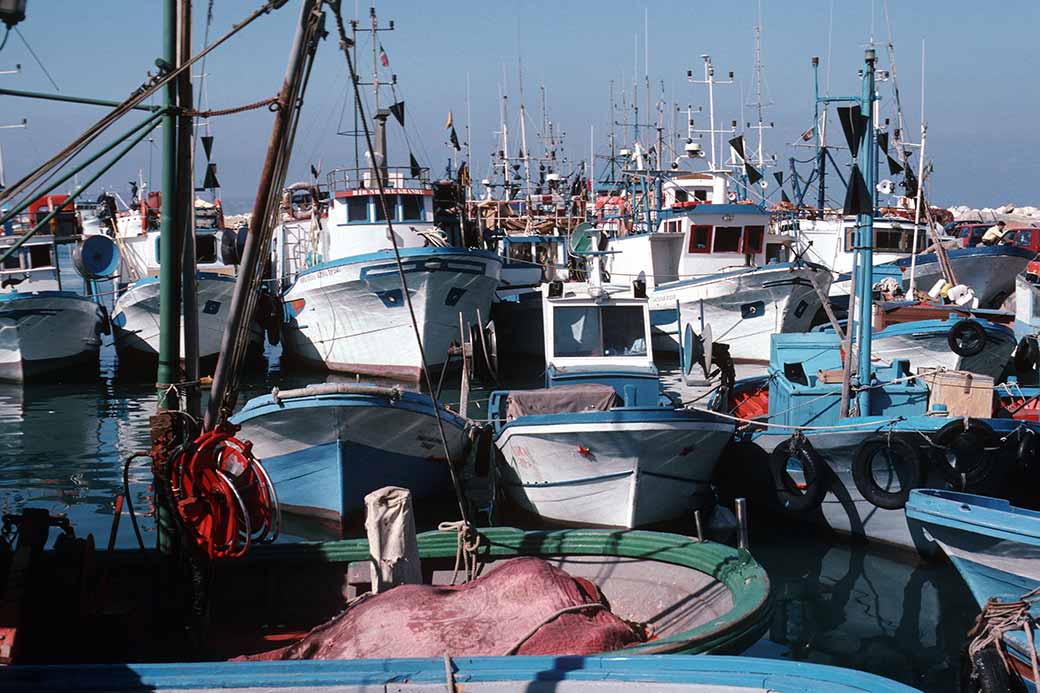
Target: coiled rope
{"x": 998, "y": 618}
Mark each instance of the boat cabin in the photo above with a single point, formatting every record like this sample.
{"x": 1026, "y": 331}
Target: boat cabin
{"x": 832, "y": 240}
{"x": 33, "y": 267}
{"x": 699, "y": 240}
{"x": 545, "y": 258}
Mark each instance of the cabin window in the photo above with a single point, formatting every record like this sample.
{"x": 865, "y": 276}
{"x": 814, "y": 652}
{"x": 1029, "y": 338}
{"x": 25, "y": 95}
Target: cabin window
{"x": 576, "y": 331}
{"x": 411, "y": 208}
{"x": 205, "y": 248}
{"x": 391, "y": 204}
{"x": 727, "y": 239}
{"x": 12, "y": 262}
{"x": 599, "y": 331}
{"x": 673, "y": 226}
{"x": 624, "y": 333}
{"x": 700, "y": 237}
{"x": 700, "y": 195}
{"x": 357, "y": 208}
{"x": 681, "y": 196}
{"x": 753, "y": 236}
{"x": 39, "y": 256}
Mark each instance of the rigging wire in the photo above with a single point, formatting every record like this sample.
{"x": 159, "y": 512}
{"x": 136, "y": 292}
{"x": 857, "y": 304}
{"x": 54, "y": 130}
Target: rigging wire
{"x": 35, "y": 57}
{"x": 7, "y": 35}
{"x": 381, "y": 186}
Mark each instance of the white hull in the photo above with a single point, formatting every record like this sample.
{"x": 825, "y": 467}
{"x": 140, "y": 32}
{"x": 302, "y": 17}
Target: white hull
{"x": 47, "y": 332}
{"x": 633, "y": 474}
{"x": 744, "y": 309}
{"x": 135, "y": 318}
{"x": 352, "y": 317}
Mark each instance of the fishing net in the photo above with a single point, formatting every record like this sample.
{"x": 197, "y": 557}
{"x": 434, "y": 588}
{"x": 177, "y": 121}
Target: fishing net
{"x": 524, "y": 606}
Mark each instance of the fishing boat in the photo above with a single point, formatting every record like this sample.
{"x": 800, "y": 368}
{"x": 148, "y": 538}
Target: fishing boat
{"x": 327, "y": 445}
{"x": 602, "y": 443}
{"x": 47, "y": 330}
{"x": 847, "y": 448}
{"x": 135, "y": 316}
{"x": 995, "y": 547}
{"x": 601, "y": 674}
{"x": 713, "y": 263}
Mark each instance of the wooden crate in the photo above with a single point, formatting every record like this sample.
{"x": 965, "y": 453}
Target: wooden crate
{"x": 963, "y": 393}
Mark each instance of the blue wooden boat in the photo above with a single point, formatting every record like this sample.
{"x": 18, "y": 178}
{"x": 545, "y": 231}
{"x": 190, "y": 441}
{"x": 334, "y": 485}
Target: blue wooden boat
{"x": 995, "y": 547}
{"x": 326, "y": 446}
{"x": 477, "y": 674}
{"x": 602, "y": 444}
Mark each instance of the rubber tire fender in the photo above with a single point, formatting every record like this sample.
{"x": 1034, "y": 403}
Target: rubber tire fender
{"x": 981, "y": 462}
{"x": 789, "y": 499}
{"x": 1027, "y": 354}
{"x": 863, "y": 477}
{"x": 985, "y": 672}
{"x": 966, "y": 329}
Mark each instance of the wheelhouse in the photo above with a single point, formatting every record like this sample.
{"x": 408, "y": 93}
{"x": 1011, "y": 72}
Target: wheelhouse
{"x": 595, "y": 326}
{"x": 33, "y": 267}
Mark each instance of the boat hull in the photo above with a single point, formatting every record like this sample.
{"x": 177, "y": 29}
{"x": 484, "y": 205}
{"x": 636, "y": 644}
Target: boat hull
{"x": 989, "y": 270}
{"x": 350, "y": 315}
{"x": 611, "y": 469}
{"x": 925, "y": 345}
{"x": 135, "y": 320}
{"x": 48, "y": 332}
{"x": 324, "y": 453}
{"x": 744, "y": 308}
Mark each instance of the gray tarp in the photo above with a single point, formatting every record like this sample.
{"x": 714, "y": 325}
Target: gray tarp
{"x": 562, "y": 399}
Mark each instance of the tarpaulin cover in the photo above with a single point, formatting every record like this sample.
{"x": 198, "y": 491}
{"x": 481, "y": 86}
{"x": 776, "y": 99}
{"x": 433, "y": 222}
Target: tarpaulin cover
{"x": 561, "y": 399}
{"x": 487, "y": 616}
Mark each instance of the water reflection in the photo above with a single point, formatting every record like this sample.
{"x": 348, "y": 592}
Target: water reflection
{"x": 853, "y": 606}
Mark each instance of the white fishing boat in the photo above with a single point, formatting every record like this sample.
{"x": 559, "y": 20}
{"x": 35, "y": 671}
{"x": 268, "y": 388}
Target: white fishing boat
{"x": 135, "y": 317}
{"x": 602, "y": 444}
{"x": 345, "y": 305}
{"x": 46, "y": 330}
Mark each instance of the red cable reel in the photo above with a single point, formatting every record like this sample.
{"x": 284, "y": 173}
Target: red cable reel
{"x": 224, "y": 496}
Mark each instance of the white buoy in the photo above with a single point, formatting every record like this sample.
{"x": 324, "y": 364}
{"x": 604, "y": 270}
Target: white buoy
{"x": 937, "y": 288}
{"x": 392, "y": 544}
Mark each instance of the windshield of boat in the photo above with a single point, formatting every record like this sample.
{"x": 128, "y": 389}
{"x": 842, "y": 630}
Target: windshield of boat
{"x": 599, "y": 331}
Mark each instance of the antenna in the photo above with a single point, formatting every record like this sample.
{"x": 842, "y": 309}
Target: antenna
{"x": 709, "y": 79}
{"x": 760, "y": 125}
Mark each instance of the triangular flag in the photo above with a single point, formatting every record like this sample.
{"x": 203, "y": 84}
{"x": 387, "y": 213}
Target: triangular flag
{"x": 385, "y": 61}
{"x": 464, "y": 179}
{"x": 752, "y": 173}
{"x": 854, "y": 124}
{"x": 520, "y": 155}
{"x": 207, "y": 144}
{"x": 808, "y": 134}
{"x": 882, "y": 141}
{"x": 784, "y": 197}
{"x": 910, "y": 183}
{"x": 416, "y": 168}
{"x": 398, "y": 110}
{"x": 451, "y": 121}
{"x": 858, "y": 199}
{"x": 738, "y": 145}
{"x": 455, "y": 140}
{"x": 211, "y": 181}
{"x": 893, "y": 166}
{"x": 779, "y": 177}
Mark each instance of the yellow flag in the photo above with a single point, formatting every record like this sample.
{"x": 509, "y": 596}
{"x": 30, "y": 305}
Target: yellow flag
{"x": 451, "y": 121}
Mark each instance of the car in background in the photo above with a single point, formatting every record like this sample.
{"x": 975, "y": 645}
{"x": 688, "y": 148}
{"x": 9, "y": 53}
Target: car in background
{"x": 969, "y": 233}
{"x": 1026, "y": 237}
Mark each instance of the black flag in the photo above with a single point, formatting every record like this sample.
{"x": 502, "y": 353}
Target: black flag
{"x": 784, "y": 197}
{"x": 455, "y": 139}
{"x": 910, "y": 183}
{"x": 463, "y": 175}
{"x": 858, "y": 199}
{"x": 893, "y": 166}
{"x": 738, "y": 145}
{"x": 398, "y": 110}
{"x": 207, "y": 144}
{"x": 854, "y": 124}
{"x": 416, "y": 168}
{"x": 779, "y": 178}
{"x": 882, "y": 141}
{"x": 752, "y": 173}
{"x": 211, "y": 181}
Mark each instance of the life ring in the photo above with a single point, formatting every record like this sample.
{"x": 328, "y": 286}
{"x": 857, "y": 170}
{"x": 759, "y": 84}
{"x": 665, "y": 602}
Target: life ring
{"x": 985, "y": 672}
{"x": 793, "y": 497}
{"x": 903, "y": 456}
{"x": 967, "y": 338}
{"x": 1027, "y": 354}
{"x": 968, "y": 443}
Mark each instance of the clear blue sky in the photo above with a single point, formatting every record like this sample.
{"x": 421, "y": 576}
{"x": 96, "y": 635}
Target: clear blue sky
{"x": 982, "y": 101}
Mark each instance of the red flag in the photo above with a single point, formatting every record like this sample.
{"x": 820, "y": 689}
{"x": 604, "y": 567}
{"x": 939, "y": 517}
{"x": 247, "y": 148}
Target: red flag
{"x": 382, "y": 57}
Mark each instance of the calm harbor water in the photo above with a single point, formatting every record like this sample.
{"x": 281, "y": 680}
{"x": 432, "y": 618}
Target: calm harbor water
{"x": 62, "y": 448}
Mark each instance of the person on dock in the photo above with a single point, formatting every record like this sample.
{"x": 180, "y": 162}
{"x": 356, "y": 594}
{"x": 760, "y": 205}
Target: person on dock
{"x": 995, "y": 234}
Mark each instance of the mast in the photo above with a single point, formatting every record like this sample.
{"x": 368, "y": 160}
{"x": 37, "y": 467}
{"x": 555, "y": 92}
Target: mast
{"x": 818, "y": 122}
{"x": 524, "y": 149}
{"x": 865, "y": 225}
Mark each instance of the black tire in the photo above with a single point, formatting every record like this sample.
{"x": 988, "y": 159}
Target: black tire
{"x": 973, "y": 462}
{"x": 903, "y": 456}
{"x": 1027, "y": 449}
{"x": 1026, "y": 355}
{"x": 791, "y": 498}
{"x": 985, "y": 672}
{"x": 966, "y": 338}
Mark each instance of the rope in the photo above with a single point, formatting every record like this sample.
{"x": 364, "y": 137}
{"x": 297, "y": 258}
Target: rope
{"x": 467, "y": 544}
{"x": 998, "y": 618}
{"x": 126, "y": 494}
{"x": 552, "y": 617}
{"x": 272, "y": 101}
{"x": 345, "y": 44}
{"x": 740, "y": 419}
